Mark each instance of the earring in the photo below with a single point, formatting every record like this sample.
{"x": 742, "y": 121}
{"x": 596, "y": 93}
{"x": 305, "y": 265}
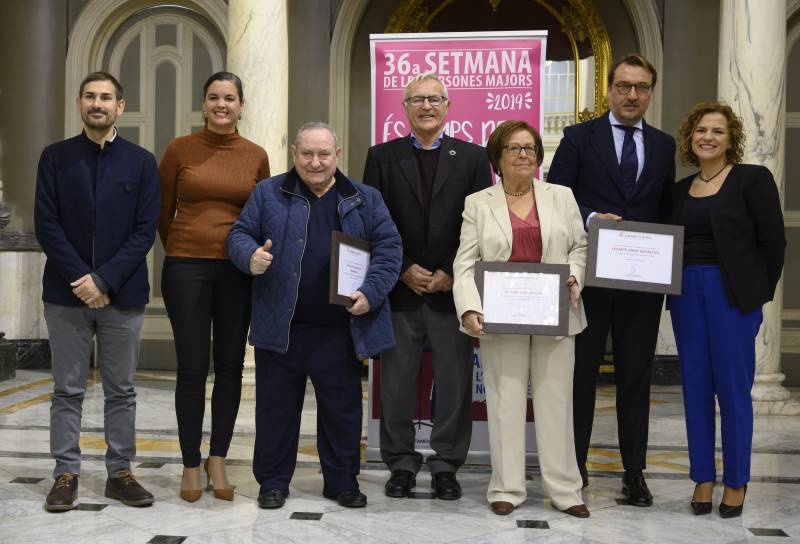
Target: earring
{"x": 240, "y": 116}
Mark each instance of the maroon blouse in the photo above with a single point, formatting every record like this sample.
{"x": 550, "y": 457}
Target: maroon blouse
{"x": 526, "y": 246}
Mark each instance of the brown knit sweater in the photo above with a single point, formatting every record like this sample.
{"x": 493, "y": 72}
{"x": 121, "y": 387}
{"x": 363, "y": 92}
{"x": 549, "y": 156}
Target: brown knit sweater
{"x": 205, "y": 181}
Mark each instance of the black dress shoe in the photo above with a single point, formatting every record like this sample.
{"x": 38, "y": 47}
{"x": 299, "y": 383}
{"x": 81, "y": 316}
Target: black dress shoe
{"x": 63, "y": 493}
{"x": 400, "y": 484}
{"x": 700, "y": 508}
{"x": 727, "y": 511}
{"x": 271, "y": 499}
{"x": 352, "y": 498}
{"x": 584, "y": 476}
{"x": 635, "y": 490}
{"x": 124, "y": 487}
{"x": 446, "y": 486}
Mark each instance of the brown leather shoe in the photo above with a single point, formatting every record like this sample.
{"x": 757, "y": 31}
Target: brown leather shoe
{"x": 579, "y": 511}
{"x": 63, "y": 493}
{"x": 502, "y": 508}
{"x": 124, "y": 487}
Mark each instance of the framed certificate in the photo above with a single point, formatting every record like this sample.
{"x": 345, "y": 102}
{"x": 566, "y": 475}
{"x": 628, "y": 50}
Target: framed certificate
{"x": 524, "y": 298}
{"x": 349, "y": 264}
{"x": 635, "y": 256}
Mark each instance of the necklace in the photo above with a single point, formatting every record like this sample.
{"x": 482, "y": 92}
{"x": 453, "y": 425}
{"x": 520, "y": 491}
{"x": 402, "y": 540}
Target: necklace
{"x": 706, "y": 180}
{"x": 521, "y": 193}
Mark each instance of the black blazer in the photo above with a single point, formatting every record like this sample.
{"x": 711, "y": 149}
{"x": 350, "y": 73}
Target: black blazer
{"x": 747, "y": 224}
{"x": 586, "y": 162}
{"x": 392, "y": 168}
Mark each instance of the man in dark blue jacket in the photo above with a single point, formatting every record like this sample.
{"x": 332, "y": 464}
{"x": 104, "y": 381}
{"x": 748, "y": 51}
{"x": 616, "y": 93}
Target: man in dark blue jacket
{"x": 97, "y": 202}
{"x": 619, "y": 167}
{"x": 283, "y": 237}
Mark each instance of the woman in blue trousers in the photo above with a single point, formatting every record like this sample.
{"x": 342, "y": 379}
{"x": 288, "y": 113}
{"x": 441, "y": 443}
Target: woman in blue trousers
{"x": 733, "y": 256}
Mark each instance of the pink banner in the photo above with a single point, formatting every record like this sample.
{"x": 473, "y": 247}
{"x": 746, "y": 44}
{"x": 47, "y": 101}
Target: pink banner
{"x": 490, "y": 76}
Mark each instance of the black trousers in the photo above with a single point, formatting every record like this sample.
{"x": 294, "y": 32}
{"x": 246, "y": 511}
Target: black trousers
{"x": 324, "y": 353}
{"x": 633, "y": 320}
{"x": 206, "y": 297}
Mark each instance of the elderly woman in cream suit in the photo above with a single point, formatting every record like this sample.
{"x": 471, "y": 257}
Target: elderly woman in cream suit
{"x": 524, "y": 220}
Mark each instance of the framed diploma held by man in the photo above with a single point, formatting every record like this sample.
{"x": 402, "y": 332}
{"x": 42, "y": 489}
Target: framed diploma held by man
{"x": 524, "y": 298}
{"x": 635, "y": 256}
{"x": 349, "y": 264}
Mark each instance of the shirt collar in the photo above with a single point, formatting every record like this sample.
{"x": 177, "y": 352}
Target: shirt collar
{"x": 616, "y": 123}
{"x": 417, "y": 144}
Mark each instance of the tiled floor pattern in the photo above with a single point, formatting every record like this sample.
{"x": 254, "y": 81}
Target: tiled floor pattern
{"x": 771, "y": 515}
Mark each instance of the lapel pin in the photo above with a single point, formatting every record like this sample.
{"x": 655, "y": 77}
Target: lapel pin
{"x": 452, "y": 152}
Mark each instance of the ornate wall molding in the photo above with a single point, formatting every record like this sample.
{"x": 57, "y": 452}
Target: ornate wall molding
{"x": 93, "y": 29}
{"x": 646, "y": 25}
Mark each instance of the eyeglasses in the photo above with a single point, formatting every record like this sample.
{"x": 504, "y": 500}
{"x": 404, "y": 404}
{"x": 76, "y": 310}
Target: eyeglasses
{"x": 517, "y": 150}
{"x": 623, "y": 87}
{"x": 434, "y": 100}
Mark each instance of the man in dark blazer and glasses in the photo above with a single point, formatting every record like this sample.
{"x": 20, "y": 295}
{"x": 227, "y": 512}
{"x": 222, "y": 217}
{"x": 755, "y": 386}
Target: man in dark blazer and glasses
{"x": 619, "y": 167}
{"x": 424, "y": 178}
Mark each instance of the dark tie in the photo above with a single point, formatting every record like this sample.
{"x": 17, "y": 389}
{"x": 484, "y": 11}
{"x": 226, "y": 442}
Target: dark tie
{"x": 629, "y": 164}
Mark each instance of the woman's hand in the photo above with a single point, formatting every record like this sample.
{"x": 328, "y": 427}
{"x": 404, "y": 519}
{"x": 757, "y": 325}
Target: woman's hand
{"x": 472, "y": 321}
{"x": 574, "y": 292}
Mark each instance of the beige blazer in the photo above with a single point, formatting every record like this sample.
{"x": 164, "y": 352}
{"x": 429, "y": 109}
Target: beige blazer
{"x": 486, "y": 236}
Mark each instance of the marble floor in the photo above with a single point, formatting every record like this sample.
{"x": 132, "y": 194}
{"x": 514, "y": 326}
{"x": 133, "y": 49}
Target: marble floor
{"x": 771, "y": 514}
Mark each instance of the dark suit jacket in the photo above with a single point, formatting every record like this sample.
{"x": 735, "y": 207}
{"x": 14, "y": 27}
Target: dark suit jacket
{"x": 747, "y": 223}
{"x": 587, "y": 162}
{"x": 96, "y": 212}
{"x": 392, "y": 168}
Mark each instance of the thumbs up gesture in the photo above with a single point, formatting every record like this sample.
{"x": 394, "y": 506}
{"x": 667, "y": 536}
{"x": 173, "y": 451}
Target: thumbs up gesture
{"x": 261, "y": 259}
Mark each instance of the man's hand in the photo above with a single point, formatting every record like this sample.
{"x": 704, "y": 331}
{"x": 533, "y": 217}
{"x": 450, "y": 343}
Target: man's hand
{"x": 360, "y": 303}
{"x": 261, "y": 259}
{"x": 611, "y": 216}
{"x": 440, "y": 281}
{"x": 472, "y": 322}
{"x": 97, "y": 303}
{"x": 85, "y": 289}
{"x": 574, "y": 292}
{"x": 417, "y": 278}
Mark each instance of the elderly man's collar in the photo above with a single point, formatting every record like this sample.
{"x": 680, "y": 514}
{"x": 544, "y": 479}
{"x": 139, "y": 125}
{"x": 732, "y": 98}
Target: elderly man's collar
{"x": 415, "y": 141}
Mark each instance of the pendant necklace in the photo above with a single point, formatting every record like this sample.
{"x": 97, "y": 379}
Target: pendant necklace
{"x": 706, "y": 180}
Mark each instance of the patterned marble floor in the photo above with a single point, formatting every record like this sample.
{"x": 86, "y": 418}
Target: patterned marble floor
{"x": 771, "y": 515}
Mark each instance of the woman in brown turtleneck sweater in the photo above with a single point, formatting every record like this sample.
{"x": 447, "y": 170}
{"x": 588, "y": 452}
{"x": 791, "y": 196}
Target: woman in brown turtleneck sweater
{"x": 206, "y": 179}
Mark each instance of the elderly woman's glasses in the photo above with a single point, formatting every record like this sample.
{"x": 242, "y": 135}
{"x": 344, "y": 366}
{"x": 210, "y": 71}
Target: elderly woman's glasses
{"x": 516, "y": 150}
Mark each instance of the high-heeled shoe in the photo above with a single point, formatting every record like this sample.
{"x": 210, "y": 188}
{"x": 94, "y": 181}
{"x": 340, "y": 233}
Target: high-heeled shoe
{"x": 728, "y": 511}
{"x": 225, "y": 494}
{"x": 190, "y": 495}
{"x": 701, "y": 508}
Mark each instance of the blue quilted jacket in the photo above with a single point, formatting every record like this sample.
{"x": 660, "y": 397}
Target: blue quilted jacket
{"x": 276, "y": 210}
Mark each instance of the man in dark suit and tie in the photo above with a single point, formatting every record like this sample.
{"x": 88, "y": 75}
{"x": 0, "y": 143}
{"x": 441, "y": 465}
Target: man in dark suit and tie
{"x": 424, "y": 178}
{"x": 619, "y": 167}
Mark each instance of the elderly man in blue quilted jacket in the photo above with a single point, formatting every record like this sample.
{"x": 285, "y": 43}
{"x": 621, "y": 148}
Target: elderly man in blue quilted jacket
{"x": 283, "y": 238}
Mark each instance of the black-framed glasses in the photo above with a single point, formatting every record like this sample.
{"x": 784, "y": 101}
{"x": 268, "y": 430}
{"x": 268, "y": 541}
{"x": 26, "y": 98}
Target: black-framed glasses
{"x": 623, "y": 87}
{"x": 434, "y": 100}
{"x": 516, "y": 150}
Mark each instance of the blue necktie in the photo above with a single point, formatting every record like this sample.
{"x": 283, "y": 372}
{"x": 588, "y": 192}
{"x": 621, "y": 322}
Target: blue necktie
{"x": 629, "y": 164}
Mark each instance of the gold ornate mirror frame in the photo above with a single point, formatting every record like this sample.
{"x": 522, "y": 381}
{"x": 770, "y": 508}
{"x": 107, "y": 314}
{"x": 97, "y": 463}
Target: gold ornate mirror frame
{"x": 579, "y": 20}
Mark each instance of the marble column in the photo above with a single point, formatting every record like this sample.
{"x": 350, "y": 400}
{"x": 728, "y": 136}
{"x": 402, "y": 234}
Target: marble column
{"x": 752, "y": 79}
{"x": 258, "y": 52}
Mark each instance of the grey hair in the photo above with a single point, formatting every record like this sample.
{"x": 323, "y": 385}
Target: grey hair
{"x": 423, "y": 77}
{"x": 313, "y": 125}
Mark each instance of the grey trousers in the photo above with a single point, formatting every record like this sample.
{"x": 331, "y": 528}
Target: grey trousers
{"x": 452, "y": 374}
{"x": 71, "y": 329}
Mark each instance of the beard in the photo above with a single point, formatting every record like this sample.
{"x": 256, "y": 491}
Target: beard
{"x": 99, "y": 124}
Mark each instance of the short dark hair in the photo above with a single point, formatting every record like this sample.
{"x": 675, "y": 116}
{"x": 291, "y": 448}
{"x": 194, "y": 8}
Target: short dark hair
{"x": 632, "y": 60}
{"x": 501, "y": 134}
{"x": 102, "y": 76}
{"x": 224, "y": 76}
{"x": 736, "y": 135}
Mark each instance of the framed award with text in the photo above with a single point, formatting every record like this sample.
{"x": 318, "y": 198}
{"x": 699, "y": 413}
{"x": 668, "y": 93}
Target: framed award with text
{"x": 635, "y": 256}
{"x": 524, "y": 298}
{"x": 349, "y": 264}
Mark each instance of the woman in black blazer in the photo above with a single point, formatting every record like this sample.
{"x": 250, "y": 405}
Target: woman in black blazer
{"x": 733, "y": 256}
